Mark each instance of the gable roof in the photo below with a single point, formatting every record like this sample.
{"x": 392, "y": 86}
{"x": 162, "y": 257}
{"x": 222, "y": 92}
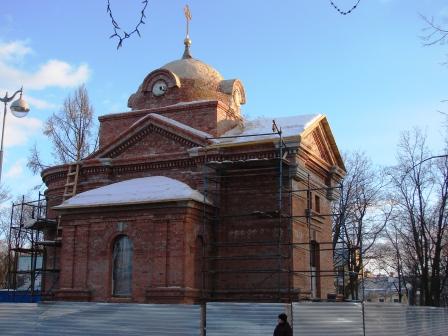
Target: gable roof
{"x": 294, "y": 129}
{"x": 153, "y": 189}
{"x": 320, "y": 130}
{"x": 177, "y": 130}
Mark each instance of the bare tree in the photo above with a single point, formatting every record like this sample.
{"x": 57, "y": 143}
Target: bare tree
{"x": 16, "y": 217}
{"x": 3, "y": 263}
{"x": 5, "y": 213}
{"x": 69, "y": 130}
{"x": 436, "y": 33}
{"x": 362, "y": 216}
{"x": 388, "y": 257}
{"x": 420, "y": 192}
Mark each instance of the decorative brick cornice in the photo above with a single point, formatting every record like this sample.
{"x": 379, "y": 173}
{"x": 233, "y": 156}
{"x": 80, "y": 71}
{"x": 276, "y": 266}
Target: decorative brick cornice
{"x": 171, "y": 108}
{"x": 95, "y": 167}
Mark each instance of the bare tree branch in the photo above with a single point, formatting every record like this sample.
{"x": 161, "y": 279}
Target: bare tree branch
{"x": 419, "y": 187}
{"x": 436, "y": 33}
{"x": 70, "y": 132}
{"x": 119, "y": 33}
{"x": 362, "y": 214}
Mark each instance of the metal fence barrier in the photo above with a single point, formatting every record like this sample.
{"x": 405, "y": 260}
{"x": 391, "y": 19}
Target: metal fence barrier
{"x": 401, "y": 320}
{"x": 376, "y": 319}
{"x": 18, "y": 318}
{"x": 99, "y": 319}
{"x": 250, "y": 319}
{"x": 338, "y": 318}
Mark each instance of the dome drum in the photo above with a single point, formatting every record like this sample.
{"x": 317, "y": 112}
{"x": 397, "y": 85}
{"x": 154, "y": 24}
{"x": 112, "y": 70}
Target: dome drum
{"x": 186, "y": 80}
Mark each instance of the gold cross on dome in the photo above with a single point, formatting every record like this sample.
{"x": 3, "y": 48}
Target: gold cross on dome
{"x": 188, "y": 18}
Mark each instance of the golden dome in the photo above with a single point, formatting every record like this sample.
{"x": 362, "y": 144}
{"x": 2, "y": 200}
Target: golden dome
{"x": 190, "y": 68}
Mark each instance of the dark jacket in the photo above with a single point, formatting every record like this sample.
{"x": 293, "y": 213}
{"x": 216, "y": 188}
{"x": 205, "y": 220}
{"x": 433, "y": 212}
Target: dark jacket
{"x": 283, "y": 329}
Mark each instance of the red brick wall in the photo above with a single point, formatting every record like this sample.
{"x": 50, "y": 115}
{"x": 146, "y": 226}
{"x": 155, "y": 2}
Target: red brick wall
{"x": 213, "y": 117}
{"x": 318, "y": 228}
{"x": 152, "y": 144}
{"x": 164, "y": 252}
{"x": 249, "y": 254}
{"x": 250, "y": 189}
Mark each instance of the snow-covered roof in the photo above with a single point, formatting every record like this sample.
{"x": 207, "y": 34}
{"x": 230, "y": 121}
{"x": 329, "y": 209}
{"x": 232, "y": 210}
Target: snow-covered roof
{"x": 193, "y": 102}
{"x": 290, "y": 126}
{"x": 151, "y": 189}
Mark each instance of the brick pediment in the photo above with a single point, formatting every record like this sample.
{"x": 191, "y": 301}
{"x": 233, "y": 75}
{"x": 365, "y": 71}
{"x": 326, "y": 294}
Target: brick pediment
{"x": 153, "y": 134}
{"x": 316, "y": 144}
{"x": 151, "y": 140}
{"x": 318, "y": 140}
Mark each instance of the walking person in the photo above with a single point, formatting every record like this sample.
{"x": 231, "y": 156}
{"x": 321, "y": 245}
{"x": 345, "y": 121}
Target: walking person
{"x": 283, "y": 328}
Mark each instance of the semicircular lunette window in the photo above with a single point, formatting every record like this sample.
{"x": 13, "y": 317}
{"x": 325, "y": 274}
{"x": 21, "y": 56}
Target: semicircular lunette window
{"x": 122, "y": 267}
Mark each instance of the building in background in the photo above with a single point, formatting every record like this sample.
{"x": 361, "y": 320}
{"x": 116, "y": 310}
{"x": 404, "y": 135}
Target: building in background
{"x": 383, "y": 288}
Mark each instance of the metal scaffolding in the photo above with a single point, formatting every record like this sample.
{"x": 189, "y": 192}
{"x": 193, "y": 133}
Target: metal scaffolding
{"x": 226, "y": 179}
{"x": 229, "y": 185}
{"x": 28, "y": 251}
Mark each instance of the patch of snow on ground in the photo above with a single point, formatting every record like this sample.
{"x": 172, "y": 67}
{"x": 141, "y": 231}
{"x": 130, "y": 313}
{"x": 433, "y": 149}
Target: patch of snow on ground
{"x": 140, "y": 190}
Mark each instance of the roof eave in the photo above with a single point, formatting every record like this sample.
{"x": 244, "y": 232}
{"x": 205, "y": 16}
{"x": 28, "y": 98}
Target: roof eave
{"x": 105, "y": 205}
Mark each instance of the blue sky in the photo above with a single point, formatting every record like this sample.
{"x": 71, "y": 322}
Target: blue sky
{"x": 368, "y": 71}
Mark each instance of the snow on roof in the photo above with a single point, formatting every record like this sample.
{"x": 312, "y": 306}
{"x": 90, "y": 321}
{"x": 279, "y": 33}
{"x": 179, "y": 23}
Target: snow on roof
{"x": 290, "y": 126}
{"x": 250, "y": 131}
{"x": 140, "y": 190}
{"x": 193, "y": 102}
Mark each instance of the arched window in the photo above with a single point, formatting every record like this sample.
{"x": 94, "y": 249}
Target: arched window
{"x": 122, "y": 267}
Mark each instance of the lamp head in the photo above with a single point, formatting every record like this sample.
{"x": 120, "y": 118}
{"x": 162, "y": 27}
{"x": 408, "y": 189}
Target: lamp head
{"x": 20, "y": 108}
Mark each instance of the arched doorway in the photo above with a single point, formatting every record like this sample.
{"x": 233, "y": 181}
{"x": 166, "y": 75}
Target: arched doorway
{"x": 122, "y": 267}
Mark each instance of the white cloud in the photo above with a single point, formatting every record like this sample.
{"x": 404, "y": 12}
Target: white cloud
{"x": 40, "y": 104}
{"x": 13, "y": 74}
{"x": 13, "y": 51}
{"x": 19, "y": 130}
{"x": 16, "y": 169}
{"x": 53, "y": 73}
{"x": 56, "y": 73}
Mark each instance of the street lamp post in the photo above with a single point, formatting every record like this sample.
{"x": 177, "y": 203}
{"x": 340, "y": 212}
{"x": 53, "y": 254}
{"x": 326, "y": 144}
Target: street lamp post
{"x": 19, "y": 109}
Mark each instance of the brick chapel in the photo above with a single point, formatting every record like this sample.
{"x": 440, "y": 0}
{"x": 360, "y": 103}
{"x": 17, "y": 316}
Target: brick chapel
{"x": 185, "y": 201}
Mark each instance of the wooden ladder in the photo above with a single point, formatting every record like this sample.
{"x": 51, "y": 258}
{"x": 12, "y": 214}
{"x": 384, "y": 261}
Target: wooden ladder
{"x": 72, "y": 180}
{"x": 69, "y": 189}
